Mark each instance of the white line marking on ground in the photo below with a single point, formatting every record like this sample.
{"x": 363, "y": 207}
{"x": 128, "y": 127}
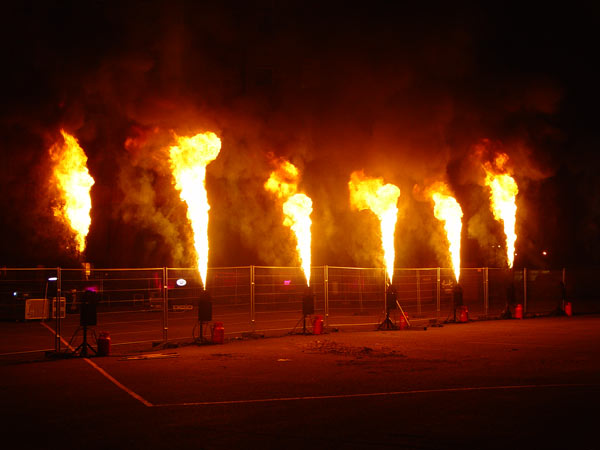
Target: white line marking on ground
{"x": 105, "y": 373}
{"x": 376, "y": 394}
{"x": 513, "y": 344}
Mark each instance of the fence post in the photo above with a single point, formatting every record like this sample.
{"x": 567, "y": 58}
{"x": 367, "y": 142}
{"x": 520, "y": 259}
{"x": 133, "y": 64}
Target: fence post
{"x": 438, "y": 293}
{"x": 564, "y": 288}
{"x": 418, "y": 291}
{"x": 165, "y": 305}
{"x": 486, "y": 290}
{"x": 524, "y": 290}
{"x": 57, "y": 310}
{"x": 252, "y": 300}
{"x": 384, "y": 290}
{"x": 326, "y": 293}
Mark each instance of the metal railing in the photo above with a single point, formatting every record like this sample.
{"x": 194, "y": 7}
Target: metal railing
{"x": 158, "y": 305}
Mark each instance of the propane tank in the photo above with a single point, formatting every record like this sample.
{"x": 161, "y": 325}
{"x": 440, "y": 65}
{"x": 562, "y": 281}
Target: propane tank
{"x": 464, "y": 314}
{"x": 403, "y": 324}
{"x": 569, "y": 309}
{"x": 519, "y": 311}
{"x": 218, "y": 333}
{"x": 317, "y": 324}
{"x": 103, "y": 344}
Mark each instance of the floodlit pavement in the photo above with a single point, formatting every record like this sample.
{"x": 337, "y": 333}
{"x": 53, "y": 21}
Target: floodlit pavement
{"x": 495, "y": 384}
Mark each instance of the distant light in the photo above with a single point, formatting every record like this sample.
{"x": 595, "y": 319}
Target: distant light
{"x": 52, "y": 278}
{"x": 287, "y": 282}
{"x": 544, "y": 253}
{"x": 181, "y": 282}
{"x": 15, "y": 294}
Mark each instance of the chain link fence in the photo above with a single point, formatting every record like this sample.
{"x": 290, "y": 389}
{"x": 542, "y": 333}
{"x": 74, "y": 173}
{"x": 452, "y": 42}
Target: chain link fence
{"x": 155, "y": 306}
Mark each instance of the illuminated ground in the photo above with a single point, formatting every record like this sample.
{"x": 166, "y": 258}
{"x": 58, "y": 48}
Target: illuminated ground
{"x": 524, "y": 384}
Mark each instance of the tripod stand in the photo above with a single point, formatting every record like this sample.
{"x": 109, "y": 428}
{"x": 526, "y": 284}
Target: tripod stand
{"x": 308, "y": 308}
{"x": 87, "y": 317}
{"x": 391, "y": 302}
{"x": 387, "y": 323}
{"x": 82, "y": 350}
{"x": 457, "y": 301}
{"x": 200, "y": 339}
{"x": 303, "y": 320}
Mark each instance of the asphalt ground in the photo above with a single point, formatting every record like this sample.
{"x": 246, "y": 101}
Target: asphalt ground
{"x": 493, "y": 384}
{"x": 143, "y": 329}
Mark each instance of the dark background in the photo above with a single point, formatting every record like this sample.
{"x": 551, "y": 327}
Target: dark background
{"x": 404, "y": 92}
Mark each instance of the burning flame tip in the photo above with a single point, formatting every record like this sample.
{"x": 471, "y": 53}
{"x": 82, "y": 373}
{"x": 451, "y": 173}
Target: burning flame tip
{"x": 188, "y": 161}
{"x": 382, "y": 200}
{"x": 503, "y": 193}
{"x": 74, "y": 182}
{"x": 297, "y": 209}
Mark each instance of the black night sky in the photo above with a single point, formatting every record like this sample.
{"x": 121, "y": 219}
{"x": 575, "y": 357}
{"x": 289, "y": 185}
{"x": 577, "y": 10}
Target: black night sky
{"x": 407, "y": 93}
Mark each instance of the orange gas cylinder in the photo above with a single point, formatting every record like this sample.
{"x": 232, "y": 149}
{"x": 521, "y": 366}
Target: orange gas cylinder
{"x": 317, "y": 324}
{"x": 568, "y": 309}
{"x": 464, "y": 314}
{"x": 103, "y": 344}
{"x": 519, "y": 311}
{"x": 218, "y": 333}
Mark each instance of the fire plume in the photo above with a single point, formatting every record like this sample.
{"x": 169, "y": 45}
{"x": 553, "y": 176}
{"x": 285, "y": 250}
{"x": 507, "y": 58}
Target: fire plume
{"x": 503, "y": 193}
{"x": 188, "y": 160}
{"x": 74, "y": 182}
{"x": 381, "y": 199}
{"x": 447, "y": 210}
{"x": 297, "y": 209}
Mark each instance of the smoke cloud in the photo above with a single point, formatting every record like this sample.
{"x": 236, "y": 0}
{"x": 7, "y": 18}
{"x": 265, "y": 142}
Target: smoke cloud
{"x": 404, "y": 95}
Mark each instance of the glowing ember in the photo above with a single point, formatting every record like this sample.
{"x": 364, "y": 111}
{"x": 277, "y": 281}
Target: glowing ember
{"x": 297, "y": 209}
{"x": 188, "y": 161}
{"x": 503, "y": 193}
{"x": 74, "y": 183}
{"x": 372, "y": 194}
{"x": 447, "y": 210}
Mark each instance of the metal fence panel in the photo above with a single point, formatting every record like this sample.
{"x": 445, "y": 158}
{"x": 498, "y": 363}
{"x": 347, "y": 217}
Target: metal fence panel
{"x": 27, "y": 297}
{"x": 279, "y": 294}
{"x": 417, "y": 291}
{"x": 502, "y": 290}
{"x": 472, "y": 282}
{"x": 356, "y": 295}
{"x": 154, "y": 306}
{"x": 544, "y": 293}
{"x": 229, "y": 290}
{"x": 129, "y": 306}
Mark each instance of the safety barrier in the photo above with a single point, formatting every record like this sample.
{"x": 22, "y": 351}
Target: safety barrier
{"x": 158, "y": 305}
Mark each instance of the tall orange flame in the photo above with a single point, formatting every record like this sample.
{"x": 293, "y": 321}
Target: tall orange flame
{"x": 503, "y": 193}
{"x": 74, "y": 183}
{"x": 188, "y": 161}
{"x": 297, "y": 209}
{"x": 372, "y": 194}
{"x": 447, "y": 210}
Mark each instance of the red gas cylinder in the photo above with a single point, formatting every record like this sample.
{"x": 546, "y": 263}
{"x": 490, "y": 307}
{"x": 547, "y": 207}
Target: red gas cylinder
{"x": 464, "y": 314}
{"x": 103, "y": 344}
{"x": 402, "y": 321}
{"x": 218, "y": 333}
{"x": 519, "y": 311}
{"x": 317, "y": 324}
{"x": 568, "y": 309}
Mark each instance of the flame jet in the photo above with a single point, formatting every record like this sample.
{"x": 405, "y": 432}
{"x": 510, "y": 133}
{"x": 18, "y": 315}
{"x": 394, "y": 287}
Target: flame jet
{"x": 372, "y": 194}
{"x": 297, "y": 209}
{"x": 74, "y": 182}
{"x": 188, "y": 160}
{"x": 447, "y": 210}
{"x": 503, "y": 193}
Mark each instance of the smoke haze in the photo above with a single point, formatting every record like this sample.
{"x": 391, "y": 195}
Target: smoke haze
{"x": 403, "y": 94}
